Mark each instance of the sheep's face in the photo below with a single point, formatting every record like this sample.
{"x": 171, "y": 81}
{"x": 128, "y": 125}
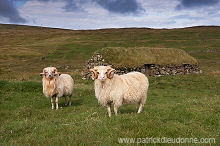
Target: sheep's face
{"x": 102, "y": 73}
{"x": 50, "y": 72}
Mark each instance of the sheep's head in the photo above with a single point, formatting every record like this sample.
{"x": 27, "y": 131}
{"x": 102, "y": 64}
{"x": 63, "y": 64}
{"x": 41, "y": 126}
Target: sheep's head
{"x": 50, "y": 72}
{"x": 102, "y": 72}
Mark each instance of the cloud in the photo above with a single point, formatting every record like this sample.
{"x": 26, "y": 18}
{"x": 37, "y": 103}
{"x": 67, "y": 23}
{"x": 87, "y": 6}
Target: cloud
{"x": 196, "y": 3}
{"x": 96, "y": 14}
{"x": 71, "y": 6}
{"x": 116, "y": 6}
{"x": 10, "y": 12}
{"x": 120, "y": 6}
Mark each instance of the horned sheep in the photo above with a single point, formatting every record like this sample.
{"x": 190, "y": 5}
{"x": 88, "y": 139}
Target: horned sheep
{"x": 111, "y": 88}
{"x": 56, "y": 85}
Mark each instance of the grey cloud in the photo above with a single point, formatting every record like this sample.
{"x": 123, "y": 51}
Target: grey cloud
{"x": 116, "y": 6}
{"x": 196, "y": 3}
{"x": 8, "y": 11}
{"x": 120, "y": 6}
{"x": 71, "y": 6}
{"x": 44, "y": 0}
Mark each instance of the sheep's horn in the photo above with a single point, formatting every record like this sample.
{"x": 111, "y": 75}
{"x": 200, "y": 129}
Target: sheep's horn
{"x": 94, "y": 73}
{"x": 110, "y": 73}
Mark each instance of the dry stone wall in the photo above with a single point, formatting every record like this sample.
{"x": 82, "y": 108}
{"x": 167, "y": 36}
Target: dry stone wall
{"x": 147, "y": 69}
{"x": 96, "y": 60}
{"x": 160, "y": 70}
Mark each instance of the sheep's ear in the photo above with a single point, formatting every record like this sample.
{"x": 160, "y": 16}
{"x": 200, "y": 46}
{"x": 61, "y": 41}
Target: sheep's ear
{"x": 43, "y": 73}
{"x": 55, "y": 70}
{"x": 94, "y": 73}
{"x": 110, "y": 73}
{"x": 57, "y": 73}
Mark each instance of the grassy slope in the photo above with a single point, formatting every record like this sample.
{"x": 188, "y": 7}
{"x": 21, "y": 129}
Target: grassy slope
{"x": 22, "y": 48}
{"x": 177, "y": 106}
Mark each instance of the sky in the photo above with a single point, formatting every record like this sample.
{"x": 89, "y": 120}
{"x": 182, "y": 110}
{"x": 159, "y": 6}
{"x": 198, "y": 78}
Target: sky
{"x": 100, "y": 14}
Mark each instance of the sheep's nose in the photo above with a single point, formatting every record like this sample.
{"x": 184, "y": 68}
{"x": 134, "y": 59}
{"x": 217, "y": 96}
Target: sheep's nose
{"x": 102, "y": 78}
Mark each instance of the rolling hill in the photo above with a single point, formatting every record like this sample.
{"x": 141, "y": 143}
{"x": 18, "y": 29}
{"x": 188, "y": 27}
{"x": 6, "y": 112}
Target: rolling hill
{"x": 26, "y": 50}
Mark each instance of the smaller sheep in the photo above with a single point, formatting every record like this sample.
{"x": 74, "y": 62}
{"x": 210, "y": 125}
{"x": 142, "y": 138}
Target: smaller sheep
{"x": 56, "y": 85}
{"x": 116, "y": 89}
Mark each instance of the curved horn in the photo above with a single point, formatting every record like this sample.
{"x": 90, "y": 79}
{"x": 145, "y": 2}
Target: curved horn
{"x": 110, "y": 73}
{"x": 94, "y": 73}
{"x": 55, "y": 70}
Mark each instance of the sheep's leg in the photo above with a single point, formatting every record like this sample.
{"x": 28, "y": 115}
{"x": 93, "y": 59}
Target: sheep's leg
{"x": 141, "y": 103}
{"x": 116, "y": 110}
{"x": 109, "y": 110}
{"x": 57, "y": 99}
{"x": 52, "y": 102}
{"x": 66, "y": 100}
{"x": 140, "y": 108}
{"x": 70, "y": 100}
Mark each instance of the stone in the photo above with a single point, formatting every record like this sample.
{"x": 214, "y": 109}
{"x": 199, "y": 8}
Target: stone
{"x": 154, "y": 70}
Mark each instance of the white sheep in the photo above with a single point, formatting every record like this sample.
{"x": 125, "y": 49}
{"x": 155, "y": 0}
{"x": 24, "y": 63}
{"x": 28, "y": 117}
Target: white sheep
{"x": 56, "y": 85}
{"x": 116, "y": 89}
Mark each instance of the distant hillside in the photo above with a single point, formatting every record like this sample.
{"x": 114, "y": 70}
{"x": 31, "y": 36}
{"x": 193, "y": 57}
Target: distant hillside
{"x": 26, "y": 50}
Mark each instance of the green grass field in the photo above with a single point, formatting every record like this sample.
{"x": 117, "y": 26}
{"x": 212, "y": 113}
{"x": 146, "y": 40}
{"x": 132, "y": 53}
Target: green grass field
{"x": 177, "y": 106}
{"x": 186, "y": 106}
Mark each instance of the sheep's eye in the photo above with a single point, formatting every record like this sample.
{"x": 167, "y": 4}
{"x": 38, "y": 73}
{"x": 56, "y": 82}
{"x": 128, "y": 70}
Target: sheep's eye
{"x": 97, "y": 72}
{"x": 106, "y": 72}
{"x": 53, "y": 72}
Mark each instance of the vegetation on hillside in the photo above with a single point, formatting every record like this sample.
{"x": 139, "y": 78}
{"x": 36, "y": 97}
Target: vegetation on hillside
{"x": 25, "y": 51}
{"x": 138, "y": 56}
